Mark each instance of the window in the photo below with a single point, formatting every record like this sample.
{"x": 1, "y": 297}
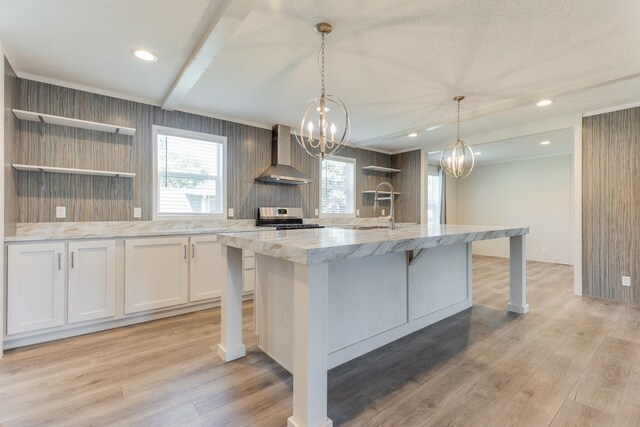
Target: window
{"x": 337, "y": 187}
{"x": 189, "y": 173}
{"x": 434, "y": 198}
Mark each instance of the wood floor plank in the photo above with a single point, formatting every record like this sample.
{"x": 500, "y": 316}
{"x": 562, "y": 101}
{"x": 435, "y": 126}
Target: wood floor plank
{"x": 492, "y": 390}
{"x": 544, "y": 394}
{"x": 605, "y": 378}
{"x": 628, "y": 412}
{"x": 628, "y": 325}
{"x": 576, "y": 414}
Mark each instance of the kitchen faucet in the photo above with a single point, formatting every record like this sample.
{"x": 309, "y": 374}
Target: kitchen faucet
{"x": 392, "y": 215}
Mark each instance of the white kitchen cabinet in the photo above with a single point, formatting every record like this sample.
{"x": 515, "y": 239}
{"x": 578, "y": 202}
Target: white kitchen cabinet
{"x": 156, "y": 273}
{"x": 35, "y": 286}
{"x": 248, "y": 271}
{"x": 205, "y": 268}
{"x": 92, "y": 280}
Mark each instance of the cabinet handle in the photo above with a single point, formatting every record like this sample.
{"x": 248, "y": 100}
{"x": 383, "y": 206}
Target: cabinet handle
{"x": 59, "y": 260}
{"x": 185, "y": 251}
{"x": 73, "y": 259}
{"x": 193, "y": 250}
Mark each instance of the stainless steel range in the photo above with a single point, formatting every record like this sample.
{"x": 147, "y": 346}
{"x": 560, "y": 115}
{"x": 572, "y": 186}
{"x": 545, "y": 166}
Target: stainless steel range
{"x": 283, "y": 218}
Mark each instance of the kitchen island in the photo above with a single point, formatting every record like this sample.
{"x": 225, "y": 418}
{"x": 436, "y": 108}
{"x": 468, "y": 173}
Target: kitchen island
{"x": 326, "y": 296}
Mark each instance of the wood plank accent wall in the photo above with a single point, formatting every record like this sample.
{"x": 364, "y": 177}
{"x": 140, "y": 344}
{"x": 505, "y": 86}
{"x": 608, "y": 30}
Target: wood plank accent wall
{"x": 610, "y": 202}
{"x": 113, "y": 199}
{"x": 10, "y": 136}
{"x": 408, "y": 183}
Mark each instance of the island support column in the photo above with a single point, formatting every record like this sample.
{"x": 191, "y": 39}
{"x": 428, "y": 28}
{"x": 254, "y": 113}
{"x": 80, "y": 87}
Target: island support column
{"x": 310, "y": 307}
{"x": 231, "y": 346}
{"x": 518, "y": 275}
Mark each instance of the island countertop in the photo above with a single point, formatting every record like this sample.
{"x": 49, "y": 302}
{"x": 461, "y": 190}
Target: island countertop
{"x": 315, "y": 246}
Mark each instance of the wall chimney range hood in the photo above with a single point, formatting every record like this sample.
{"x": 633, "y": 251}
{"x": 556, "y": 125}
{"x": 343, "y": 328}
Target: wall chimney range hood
{"x": 281, "y": 171}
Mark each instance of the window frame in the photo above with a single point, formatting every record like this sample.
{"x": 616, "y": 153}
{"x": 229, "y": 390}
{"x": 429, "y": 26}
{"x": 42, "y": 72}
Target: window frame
{"x": 353, "y": 161}
{"x": 183, "y": 133}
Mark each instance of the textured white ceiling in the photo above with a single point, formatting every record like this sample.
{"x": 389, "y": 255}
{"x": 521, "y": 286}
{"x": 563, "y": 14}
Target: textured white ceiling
{"x": 396, "y": 64}
{"x": 521, "y": 147}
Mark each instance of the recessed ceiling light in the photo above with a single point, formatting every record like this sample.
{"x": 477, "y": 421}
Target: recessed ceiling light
{"x": 412, "y": 135}
{"x": 546, "y": 142}
{"x": 544, "y": 102}
{"x": 430, "y": 128}
{"x": 477, "y": 153}
{"x": 145, "y": 55}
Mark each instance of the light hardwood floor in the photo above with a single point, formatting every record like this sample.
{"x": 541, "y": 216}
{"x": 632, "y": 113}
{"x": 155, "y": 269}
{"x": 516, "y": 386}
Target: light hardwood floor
{"x": 571, "y": 362}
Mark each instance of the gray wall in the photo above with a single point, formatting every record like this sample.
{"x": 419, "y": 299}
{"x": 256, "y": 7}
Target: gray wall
{"x": 90, "y": 198}
{"x": 610, "y": 202}
{"x": 407, "y": 182}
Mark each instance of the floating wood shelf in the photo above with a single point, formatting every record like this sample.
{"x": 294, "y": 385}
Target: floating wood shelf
{"x": 381, "y": 192}
{"x": 381, "y": 169}
{"x": 66, "y": 121}
{"x": 51, "y": 169}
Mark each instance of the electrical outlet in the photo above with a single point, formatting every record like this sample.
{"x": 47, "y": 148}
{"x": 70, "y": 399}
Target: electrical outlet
{"x": 544, "y": 249}
{"x": 230, "y": 214}
{"x": 382, "y": 212}
{"x": 357, "y": 212}
{"x": 61, "y": 212}
{"x": 626, "y": 281}
{"x": 317, "y": 212}
{"x": 137, "y": 212}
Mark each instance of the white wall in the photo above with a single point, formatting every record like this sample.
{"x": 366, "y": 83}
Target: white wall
{"x": 536, "y": 193}
{"x": 2, "y": 275}
{"x": 451, "y": 199}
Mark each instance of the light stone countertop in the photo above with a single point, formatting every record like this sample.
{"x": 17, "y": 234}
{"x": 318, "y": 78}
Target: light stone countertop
{"x": 117, "y": 229}
{"x": 43, "y": 231}
{"x": 314, "y": 246}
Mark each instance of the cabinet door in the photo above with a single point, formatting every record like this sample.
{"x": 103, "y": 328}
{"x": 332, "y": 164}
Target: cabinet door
{"x": 35, "y": 286}
{"x": 92, "y": 280}
{"x": 156, "y": 273}
{"x": 205, "y": 268}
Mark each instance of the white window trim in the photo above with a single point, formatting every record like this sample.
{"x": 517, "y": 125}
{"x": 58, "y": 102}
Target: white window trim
{"x": 355, "y": 184}
{"x": 155, "y": 129}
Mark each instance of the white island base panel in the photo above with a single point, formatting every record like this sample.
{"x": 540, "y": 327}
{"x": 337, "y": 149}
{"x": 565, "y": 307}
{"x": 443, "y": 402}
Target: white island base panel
{"x": 371, "y": 301}
{"x": 314, "y": 314}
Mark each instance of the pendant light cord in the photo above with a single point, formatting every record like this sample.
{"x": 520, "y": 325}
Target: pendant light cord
{"x": 322, "y": 66}
{"x": 458, "y": 120}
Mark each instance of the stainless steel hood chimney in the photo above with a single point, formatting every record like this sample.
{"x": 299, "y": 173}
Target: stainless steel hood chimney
{"x": 281, "y": 171}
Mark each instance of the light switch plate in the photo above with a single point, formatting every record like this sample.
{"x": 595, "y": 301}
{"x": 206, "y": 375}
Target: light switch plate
{"x": 626, "y": 281}
{"x": 61, "y": 212}
{"x": 137, "y": 212}
{"x": 382, "y": 212}
{"x": 230, "y": 213}
{"x": 317, "y": 212}
{"x": 357, "y": 212}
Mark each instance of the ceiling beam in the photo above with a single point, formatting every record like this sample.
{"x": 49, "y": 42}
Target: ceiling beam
{"x": 227, "y": 18}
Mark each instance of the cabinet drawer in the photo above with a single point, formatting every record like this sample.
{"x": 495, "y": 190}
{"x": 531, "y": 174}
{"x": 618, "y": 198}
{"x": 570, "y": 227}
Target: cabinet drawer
{"x": 248, "y": 280}
{"x": 248, "y": 263}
